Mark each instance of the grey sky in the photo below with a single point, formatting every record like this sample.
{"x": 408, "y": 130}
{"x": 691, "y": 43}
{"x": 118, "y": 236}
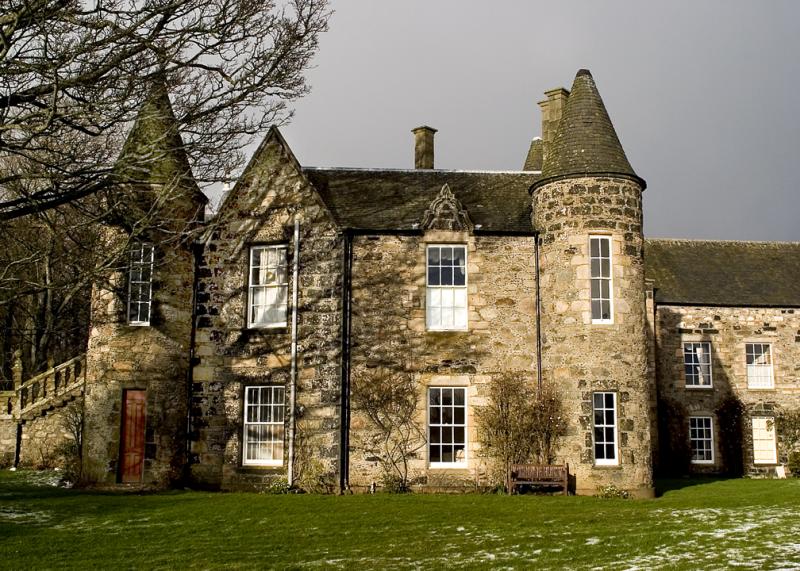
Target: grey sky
{"x": 703, "y": 96}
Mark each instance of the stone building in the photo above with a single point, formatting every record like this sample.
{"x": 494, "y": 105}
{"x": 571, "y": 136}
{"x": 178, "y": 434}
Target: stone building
{"x": 231, "y": 362}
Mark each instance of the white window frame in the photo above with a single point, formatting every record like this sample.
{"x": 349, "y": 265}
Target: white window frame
{"x": 269, "y": 285}
{"x": 695, "y": 436}
{"x": 756, "y": 425}
{"x": 755, "y": 371}
{"x": 457, "y": 290}
{"x": 602, "y": 238}
{"x": 453, "y": 425}
{"x": 604, "y": 425}
{"x": 705, "y": 347}
{"x": 277, "y": 396}
{"x": 138, "y": 264}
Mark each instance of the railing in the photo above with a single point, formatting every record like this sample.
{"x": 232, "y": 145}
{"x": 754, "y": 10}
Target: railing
{"x": 44, "y": 389}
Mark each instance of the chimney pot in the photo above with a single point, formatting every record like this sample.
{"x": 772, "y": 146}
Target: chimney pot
{"x": 423, "y": 147}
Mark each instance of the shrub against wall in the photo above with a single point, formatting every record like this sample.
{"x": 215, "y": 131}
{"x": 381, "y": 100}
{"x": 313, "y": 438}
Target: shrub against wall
{"x": 389, "y": 399}
{"x": 520, "y": 424}
{"x": 730, "y": 413}
{"x": 788, "y": 430}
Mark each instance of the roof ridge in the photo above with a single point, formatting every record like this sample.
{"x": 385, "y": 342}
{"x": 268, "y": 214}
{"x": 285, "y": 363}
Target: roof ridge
{"x": 717, "y": 241}
{"x": 421, "y": 171}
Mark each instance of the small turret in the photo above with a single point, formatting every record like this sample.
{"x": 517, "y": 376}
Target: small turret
{"x": 587, "y": 210}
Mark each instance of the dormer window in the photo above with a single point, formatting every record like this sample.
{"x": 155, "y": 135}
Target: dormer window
{"x": 140, "y": 283}
{"x": 269, "y": 287}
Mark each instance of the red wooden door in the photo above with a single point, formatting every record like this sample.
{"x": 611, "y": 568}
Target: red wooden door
{"x": 133, "y": 417}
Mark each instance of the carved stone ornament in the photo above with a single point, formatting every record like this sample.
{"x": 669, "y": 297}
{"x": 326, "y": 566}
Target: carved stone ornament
{"x": 446, "y": 213}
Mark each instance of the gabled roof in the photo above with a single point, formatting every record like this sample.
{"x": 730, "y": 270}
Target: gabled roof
{"x": 701, "y": 272}
{"x": 393, "y": 199}
{"x": 585, "y": 142}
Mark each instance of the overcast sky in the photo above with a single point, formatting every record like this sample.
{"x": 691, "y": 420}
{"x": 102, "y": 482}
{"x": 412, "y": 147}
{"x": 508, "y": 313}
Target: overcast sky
{"x": 704, "y": 96}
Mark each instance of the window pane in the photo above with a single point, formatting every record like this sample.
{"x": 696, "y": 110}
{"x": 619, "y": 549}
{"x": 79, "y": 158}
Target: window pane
{"x": 447, "y": 256}
{"x": 459, "y": 276}
{"x": 447, "y": 276}
{"x": 459, "y": 256}
{"x": 436, "y": 416}
{"x": 447, "y": 396}
{"x": 435, "y": 453}
{"x": 458, "y": 395}
{"x": 433, "y": 256}
{"x": 604, "y": 247}
{"x": 433, "y": 276}
{"x": 595, "y": 247}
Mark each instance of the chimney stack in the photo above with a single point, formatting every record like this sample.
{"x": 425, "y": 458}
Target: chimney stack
{"x": 552, "y": 109}
{"x": 423, "y": 147}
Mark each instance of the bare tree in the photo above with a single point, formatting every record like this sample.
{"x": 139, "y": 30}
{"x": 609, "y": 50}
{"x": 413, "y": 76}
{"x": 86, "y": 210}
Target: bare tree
{"x": 76, "y": 72}
{"x": 111, "y": 111}
{"x": 389, "y": 400}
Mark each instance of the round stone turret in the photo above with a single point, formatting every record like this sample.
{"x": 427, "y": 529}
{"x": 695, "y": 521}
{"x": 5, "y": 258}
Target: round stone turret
{"x": 587, "y": 209}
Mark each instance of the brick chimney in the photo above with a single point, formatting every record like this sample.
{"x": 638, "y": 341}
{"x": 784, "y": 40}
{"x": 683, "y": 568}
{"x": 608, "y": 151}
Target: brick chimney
{"x": 423, "y": 147}
{"x": 552, "y": 109}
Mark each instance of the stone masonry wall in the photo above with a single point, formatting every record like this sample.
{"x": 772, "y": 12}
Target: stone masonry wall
{"x": 728, "y": 329}
{"x": 579, "y": 357}
{"x": 8, "y": 440}
{"x": 229, "y": 356}
{"x": 45, "y": 439}
{"x": 154, "y": 358}
{"x": 389, "y": 337}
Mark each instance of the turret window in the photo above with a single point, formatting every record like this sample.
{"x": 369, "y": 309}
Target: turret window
{"x": 446, "y": 299}
{"x": 140, "y": 283}
{"x": 600, "y": 262}
{"x": 269, "y": 287}
{"x": 604, "y": 407}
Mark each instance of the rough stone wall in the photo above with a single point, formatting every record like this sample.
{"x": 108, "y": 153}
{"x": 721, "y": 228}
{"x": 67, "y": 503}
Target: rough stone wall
{"x": 8, "y": 440}
{"x": 389, "y": 334}
{"x": 154, "y": 358}
{"x": 579, "y": 357}
{"x": 728, "y": 329}
{"x": 229, "y": 356}
{"x": 45, "y": 439}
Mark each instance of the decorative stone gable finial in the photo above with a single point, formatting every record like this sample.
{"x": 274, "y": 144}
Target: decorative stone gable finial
{"x": 446, "y": 213}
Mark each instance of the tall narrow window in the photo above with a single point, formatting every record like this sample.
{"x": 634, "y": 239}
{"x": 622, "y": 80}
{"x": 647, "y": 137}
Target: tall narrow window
{"x": 605, "y": 429}
{"x": 269, "y": 287}
{"x": 447, "y": 426}
{"x": 697, "y": 364}
{"x": 600, "y": 261}
{"x": 263, "y": 426}
{"x": 764, "y": 449}
{"x": 759, "y": 365}
{"x": 446, "y": 303}
{"x": 140, "y": 283}
{"x": 701, "y": 438}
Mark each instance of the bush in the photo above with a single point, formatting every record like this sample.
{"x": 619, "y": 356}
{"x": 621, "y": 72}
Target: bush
{"x": 610, "y": 491}
{"x": 794, "y": 463}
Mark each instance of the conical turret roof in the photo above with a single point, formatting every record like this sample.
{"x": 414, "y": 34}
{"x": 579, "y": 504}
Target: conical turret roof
{"x": 585, "y": 142}
{"x": 153, "y": 152}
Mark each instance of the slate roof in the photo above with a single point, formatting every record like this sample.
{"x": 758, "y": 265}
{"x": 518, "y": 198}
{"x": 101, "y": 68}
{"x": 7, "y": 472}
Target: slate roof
{"x": 700, "y": 272}
{"x": 395, "y": 199}
{"x": 585, "y": 142}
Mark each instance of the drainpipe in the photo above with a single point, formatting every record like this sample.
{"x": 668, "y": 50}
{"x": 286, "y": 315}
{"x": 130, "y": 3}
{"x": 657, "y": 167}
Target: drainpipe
{"x": 293, "y": 374}
{"x": 538, "y": 315}
{"x": 197, "y": 256}
{"x": 344, "y": 414}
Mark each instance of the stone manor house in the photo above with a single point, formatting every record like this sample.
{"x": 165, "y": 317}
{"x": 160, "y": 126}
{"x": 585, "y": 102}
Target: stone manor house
{"x": 230, "y": 361}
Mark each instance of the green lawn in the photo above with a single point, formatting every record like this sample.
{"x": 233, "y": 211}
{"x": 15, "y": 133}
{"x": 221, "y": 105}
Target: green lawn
{"x": 694, "y": 524}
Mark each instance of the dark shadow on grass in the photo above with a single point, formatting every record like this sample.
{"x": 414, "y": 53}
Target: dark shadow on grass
{"x": 665, "y": 485}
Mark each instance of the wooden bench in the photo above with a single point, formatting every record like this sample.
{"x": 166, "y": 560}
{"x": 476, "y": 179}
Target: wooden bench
{"x": 540, "y": 475}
